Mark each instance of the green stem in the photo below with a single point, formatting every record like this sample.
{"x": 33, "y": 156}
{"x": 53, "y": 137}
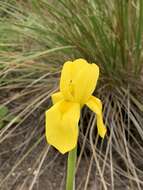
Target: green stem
{"x": 70, "y": 183}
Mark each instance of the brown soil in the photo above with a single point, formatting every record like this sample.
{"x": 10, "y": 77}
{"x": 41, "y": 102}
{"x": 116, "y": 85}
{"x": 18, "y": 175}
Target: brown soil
{"x": 52, "y": 174}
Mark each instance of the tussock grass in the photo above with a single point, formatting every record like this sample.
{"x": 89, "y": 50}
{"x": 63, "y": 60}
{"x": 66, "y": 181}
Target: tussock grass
{"x": 36, "y": 38}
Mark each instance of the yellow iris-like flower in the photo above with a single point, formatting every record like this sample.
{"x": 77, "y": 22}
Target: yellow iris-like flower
{"x": 78, "y": 81}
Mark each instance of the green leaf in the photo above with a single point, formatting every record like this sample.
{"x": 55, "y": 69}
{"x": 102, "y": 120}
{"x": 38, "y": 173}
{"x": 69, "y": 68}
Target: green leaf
{"x": 11, "y": 117}
{"x": 1, "y": 125}
{"x": 3, "y": 111}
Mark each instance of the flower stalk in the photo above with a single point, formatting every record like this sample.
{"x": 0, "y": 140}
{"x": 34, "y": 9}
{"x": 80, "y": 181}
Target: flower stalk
{"x": 71, "y": 166}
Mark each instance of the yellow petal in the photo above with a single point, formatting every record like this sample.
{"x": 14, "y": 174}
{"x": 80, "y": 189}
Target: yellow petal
{"x": 62, "y": 125}
{"x": 56, "y": 97}
{"x": 78, "y": 64}
{"x": 65, "y": 80}
{"x": 95, "y": 105}
{"x": 85, "y": 82}
{"x": 78, "y": 80}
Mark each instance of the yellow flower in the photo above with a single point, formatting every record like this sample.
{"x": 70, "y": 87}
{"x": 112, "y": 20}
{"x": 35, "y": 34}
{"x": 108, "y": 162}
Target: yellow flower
{"x": 78, "y": 81}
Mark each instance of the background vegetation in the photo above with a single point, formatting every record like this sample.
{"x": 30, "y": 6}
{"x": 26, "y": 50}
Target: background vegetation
{"x": 36, "y": 37}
